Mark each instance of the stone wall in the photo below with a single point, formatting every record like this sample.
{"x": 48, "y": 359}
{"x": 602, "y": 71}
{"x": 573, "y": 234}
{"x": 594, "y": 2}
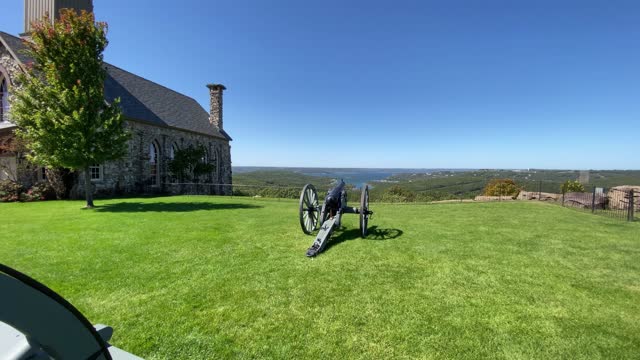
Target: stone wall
{"x": 14, "y": 165}
{"x": 534, "y": 195}
{"x": 493, "y": 198}
{"x": 9, "y": 64}
{"x": 132, "y": 174}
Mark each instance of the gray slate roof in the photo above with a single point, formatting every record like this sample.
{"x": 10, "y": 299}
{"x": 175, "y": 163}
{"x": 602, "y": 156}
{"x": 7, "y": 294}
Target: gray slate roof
{"x": 142, "y": 99}
{"x": 15, "y": 45}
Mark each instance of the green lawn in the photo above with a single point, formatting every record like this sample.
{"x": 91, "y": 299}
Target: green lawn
{"x": 213, "y": 277}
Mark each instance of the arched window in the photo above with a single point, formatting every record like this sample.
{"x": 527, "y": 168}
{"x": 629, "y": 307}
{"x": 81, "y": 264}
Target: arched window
{"x": 214, "y": 161}
{"x": 4, "y": 99}
{"x": 216, "y": 165}
{"x": 173, "y": 150}
{"x": 154, "y": 162}
{"x": 205, "y": 155}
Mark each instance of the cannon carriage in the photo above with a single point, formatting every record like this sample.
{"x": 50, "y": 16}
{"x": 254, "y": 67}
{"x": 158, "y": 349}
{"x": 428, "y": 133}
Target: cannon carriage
{"x": 327, "y": 217}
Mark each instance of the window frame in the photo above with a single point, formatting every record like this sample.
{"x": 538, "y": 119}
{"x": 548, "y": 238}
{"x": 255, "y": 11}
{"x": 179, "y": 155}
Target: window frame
{"x": 100, "y": 172}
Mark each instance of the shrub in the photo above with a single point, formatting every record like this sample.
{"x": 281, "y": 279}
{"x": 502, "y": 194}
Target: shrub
{"x": 10, "y": 191}
{"x": 42, "y": 191}
{"x": 436, "y": 196}
{"x": 190, "y": 163}
{"x": 398, "y": 194}
{"x": 572, "y": 186}
{"x": 501, "y": 187}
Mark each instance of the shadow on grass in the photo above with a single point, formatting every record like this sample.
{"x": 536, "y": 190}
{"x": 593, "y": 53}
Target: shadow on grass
{"x": 169, "y": 207}
{"x": 374, "y": 234}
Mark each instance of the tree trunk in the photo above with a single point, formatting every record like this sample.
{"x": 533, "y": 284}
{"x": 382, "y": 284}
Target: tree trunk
{"x": 87, "y": 188}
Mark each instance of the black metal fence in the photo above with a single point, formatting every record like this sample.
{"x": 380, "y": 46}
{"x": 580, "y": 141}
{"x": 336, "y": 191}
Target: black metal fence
{"x": 621, "y": 202}
{"x": 257, "y": 191}
{"x": 617, "y": 203}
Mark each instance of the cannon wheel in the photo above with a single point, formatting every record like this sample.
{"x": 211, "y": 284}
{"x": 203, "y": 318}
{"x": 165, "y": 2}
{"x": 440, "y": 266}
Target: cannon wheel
{"x": 309, "y": 209}
{"x": 364, "y": 210}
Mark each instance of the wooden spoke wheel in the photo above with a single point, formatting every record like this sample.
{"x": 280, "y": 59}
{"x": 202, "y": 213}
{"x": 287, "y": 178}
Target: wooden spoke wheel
{"x": 364, "y": 210}
{"x": 309, "y": 213}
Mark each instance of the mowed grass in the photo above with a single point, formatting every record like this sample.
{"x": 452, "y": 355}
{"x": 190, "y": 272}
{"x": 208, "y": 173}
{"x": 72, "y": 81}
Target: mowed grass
{"x": 219, "y": 277}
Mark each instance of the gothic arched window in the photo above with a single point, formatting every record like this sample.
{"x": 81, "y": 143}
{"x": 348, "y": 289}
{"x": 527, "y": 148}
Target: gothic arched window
{"x": 205, "y": 155}
{"x": 214, "y": 162}
{"x": 4, "y": 99}
{"x": 216, "y": 165}
{"x": 154, "y": 162}
{"x": 173, "y": 150}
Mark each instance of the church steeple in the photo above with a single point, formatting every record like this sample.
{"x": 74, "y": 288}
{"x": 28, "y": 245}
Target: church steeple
{"x": 36, "y": 9}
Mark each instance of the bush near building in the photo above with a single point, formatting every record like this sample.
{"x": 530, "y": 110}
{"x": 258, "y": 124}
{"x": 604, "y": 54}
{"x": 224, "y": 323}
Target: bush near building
{"x": 11, "y": 191}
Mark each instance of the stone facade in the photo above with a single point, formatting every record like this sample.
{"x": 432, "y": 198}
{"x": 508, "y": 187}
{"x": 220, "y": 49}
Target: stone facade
{"x": 133, "y": 173}
{"x": 13, "y": 163}
{"x": 8, "y": 64}
{"x": 9, "y": 169}
{"x": 9, "y": 69}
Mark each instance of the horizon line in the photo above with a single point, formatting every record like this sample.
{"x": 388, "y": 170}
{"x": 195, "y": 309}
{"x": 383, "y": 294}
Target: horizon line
{"x": 427, "y": 168}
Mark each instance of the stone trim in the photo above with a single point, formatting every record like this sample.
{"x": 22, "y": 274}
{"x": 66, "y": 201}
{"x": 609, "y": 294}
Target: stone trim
{"x": 5, "y": 74}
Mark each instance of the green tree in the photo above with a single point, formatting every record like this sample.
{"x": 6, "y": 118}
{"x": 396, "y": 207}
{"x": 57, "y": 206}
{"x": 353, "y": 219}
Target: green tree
{"x": 501, "y": 187}
{"x": 398, "y": 194}
{"x": 189, "y": 164}
{"x": 572, "y": 186}
{"x": 59, "y": 105}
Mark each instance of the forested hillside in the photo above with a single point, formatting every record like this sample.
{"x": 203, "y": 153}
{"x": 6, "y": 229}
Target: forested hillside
{"x": 430, "y": 186}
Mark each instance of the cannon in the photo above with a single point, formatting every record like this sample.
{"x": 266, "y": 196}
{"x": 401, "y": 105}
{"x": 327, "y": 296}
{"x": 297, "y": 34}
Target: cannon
{"x": 329, "y": 214}
{"x": 37, "y": 323}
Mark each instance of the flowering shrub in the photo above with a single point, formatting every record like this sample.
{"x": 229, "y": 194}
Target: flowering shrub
{"x": 39, "y": 191}
{"x": 10, "y": 191}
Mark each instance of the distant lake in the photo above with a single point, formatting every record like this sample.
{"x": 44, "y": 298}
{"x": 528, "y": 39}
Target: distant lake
{"x": 352, "y": 176}
{"x": 355, "y": 176}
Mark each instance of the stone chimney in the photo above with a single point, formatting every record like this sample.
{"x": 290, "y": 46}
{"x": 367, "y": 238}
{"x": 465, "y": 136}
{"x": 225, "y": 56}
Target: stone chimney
{"x": 215, "y": 112}
{"x": 36, "y": 9}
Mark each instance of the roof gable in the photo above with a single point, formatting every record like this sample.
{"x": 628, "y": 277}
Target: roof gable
{"x": 145, "y": 100}
{"x": 15, "y": 47}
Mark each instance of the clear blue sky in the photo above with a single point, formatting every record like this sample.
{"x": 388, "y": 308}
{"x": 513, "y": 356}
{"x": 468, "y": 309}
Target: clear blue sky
{"x": 455, "y": 84}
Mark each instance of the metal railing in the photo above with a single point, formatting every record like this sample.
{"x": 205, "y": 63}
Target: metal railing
{"x": 618, "y": 203}
{"x": 614, "y": 202}
{"x": 273, "y": 191}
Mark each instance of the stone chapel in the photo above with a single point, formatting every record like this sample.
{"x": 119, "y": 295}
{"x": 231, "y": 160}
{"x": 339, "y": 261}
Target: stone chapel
{"x": 161, "y": 122}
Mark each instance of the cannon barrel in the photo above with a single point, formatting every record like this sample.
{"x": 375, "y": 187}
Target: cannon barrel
{"x": 333, "y": 197}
